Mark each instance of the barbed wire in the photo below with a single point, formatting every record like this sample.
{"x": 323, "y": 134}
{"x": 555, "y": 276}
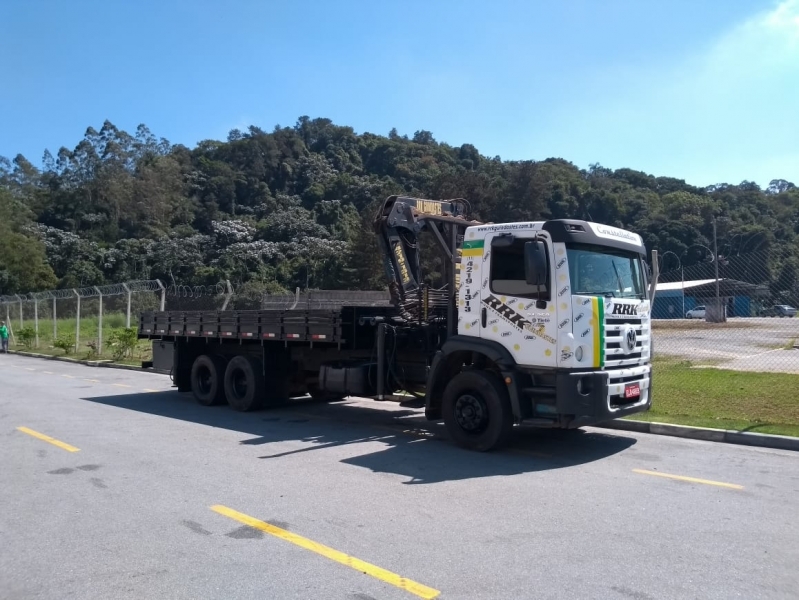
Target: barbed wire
{"x": 114, "y": 289}
{"x": 196, "y": 291}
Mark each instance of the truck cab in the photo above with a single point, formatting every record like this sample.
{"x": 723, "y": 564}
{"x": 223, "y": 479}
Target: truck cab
{"x": 562, "y": 308}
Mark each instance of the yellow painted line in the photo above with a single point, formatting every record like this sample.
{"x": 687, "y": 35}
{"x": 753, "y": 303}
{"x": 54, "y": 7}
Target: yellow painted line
{"x": 48, "y": 372}
{"x": 121, "y": 385}
{"x": 68, "y": 376}
{"x": 417, "y": 589}
{"x": 29, "y": 369}
{"x": 732, "y": 486}
{"x": 92, "y": 380}
{"x": 47, "y": 438}
{"x": 149, "y": 390}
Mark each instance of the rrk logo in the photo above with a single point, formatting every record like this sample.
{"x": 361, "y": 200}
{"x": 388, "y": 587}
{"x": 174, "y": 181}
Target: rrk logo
{"x": 579, "y": 317}
{"x": 563, "y": 323}
{"x": 563, "y": 291}
{"x": 473, "y": 323}
{"x": 561, "y": 262}
{"x": 585, "y": 333}
{"x": 630, "y": 310}
{"x": 566, "y": 355}
{"x": 505, "y": 333}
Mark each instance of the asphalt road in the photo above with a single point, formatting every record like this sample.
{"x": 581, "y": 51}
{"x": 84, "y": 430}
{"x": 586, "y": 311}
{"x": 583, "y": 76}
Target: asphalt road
{"x": 154, "y": 497}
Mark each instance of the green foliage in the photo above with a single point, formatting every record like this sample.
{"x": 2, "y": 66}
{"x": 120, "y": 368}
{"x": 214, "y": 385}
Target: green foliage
{"x": 26, "y": 336}
{"x": 65, "y": 342}
{"x": 293, "y": 207}
{"x": 122, "y": 342}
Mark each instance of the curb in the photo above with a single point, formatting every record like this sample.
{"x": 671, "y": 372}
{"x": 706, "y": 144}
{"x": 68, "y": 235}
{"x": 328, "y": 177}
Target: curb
{"x": 89, "y": 363}
{"x": 726, "y": 436}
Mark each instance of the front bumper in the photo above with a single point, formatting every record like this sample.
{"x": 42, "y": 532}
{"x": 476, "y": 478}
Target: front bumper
{"x": 591, "y": 397}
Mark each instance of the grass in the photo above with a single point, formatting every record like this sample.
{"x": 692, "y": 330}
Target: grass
{"x": 88, "y": 332}
{"x": 693, "y": 324}
{"x": 724, "y": 399}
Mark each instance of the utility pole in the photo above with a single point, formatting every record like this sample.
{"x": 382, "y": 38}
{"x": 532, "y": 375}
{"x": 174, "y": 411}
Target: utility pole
{"x": 716, "y": 262}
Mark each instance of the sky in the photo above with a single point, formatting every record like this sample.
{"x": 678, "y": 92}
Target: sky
{"x": 705, "y": 91}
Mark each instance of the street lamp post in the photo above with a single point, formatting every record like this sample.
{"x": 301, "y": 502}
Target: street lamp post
{"x": 682, "y": 278}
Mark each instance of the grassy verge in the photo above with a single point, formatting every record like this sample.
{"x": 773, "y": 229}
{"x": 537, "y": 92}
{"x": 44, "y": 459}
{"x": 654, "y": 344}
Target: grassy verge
{"x": 89, "y": 332}
{"x": 724, "y": 399}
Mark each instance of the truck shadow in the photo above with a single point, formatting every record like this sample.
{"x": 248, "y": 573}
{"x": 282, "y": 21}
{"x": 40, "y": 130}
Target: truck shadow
{"x": 392, "y": 439}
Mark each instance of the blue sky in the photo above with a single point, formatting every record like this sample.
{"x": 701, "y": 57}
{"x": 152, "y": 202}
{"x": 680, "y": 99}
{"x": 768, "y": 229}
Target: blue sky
{"x": 707, "y": 91}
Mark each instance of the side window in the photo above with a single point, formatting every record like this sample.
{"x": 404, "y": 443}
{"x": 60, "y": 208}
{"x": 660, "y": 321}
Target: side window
{"x": 507, "y": 272}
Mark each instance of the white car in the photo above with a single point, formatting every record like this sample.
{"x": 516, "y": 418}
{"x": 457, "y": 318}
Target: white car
{"x": 697, "y": 312}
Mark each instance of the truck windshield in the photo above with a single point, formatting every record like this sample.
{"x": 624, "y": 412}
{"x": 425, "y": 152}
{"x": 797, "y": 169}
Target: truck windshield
{"x": 602, "y": 271}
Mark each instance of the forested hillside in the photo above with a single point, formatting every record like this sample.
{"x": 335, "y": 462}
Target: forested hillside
{"x": 271, "y": 211}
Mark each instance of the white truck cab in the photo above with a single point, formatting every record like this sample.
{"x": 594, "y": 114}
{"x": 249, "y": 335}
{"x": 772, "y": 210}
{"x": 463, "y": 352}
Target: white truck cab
{"x": 568, "y": 300}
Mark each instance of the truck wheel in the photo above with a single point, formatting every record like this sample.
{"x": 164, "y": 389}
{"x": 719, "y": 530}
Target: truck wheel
{"x": 206, "y": 377}
{"x": 477, "y": 411}
{"x": 244, "y": 384}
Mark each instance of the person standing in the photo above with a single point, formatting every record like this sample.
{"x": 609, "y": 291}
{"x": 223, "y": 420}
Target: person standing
{"x": 3, "y": 337}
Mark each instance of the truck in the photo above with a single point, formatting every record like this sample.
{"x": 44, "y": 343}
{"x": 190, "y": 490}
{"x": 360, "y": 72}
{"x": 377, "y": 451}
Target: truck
{"x": 542, "y": 323}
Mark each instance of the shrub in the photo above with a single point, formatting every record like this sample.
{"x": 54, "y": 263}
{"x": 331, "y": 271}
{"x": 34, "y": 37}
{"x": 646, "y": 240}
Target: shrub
{"x": 115, "y": 320}
{"x": 65, "y": 342}
{"x": 26, "y": 336}
{"x": 122, "y": 342}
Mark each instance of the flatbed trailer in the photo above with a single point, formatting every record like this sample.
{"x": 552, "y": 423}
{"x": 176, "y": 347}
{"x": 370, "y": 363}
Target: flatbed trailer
{"x": 543, "y": 323}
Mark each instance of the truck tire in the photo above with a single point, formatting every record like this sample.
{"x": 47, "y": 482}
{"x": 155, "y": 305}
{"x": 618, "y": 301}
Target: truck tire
{"x": 206, "y": 379}
{"x": 477, "y": 411}
{"x": 244, "y": 384}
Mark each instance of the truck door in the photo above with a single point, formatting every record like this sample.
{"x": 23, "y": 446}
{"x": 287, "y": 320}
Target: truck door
{"x": 513, "y": 313}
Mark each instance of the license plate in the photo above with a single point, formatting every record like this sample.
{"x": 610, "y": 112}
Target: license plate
{"x": 632, "y": 391}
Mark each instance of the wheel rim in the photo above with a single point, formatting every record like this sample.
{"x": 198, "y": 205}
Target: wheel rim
{"x": 239, "y": 383}
{"x": 471, "y": 413}
{"x": 204, "y": 380}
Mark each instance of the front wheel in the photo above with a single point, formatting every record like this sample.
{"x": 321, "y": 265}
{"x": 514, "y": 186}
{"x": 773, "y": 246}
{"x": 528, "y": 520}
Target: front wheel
{"x": 477, "y": 411}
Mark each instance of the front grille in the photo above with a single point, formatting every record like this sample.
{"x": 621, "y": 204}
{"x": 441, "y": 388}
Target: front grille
{"x": 615, "y": 353}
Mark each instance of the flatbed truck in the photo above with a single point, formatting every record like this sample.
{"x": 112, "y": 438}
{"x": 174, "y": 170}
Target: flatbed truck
{"x": 545, "y": 323}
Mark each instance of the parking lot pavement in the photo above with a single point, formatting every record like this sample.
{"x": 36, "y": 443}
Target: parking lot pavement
{"x": 155, "y": 496}
{"x": 751, "y": 344}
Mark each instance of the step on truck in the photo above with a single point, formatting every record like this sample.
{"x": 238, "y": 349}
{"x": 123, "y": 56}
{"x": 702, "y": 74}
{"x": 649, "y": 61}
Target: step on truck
{"x": 545, "y": 323}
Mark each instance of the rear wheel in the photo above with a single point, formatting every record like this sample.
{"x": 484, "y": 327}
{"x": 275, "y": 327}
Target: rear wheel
{"x": 244, "y": 384}
{"x": 206, "y": 380}
{"x": 477, "y": 411}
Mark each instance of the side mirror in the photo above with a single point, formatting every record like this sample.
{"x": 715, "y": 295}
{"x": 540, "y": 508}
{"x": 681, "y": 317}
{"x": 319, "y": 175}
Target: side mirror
{"x": 535, "y": 263}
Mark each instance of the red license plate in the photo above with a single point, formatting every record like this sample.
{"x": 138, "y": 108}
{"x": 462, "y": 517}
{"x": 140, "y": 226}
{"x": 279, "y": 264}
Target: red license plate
{"x": 632, "y": 391}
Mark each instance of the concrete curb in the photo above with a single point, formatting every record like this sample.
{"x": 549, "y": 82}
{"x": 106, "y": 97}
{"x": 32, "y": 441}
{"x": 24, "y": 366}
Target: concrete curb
{"x": 89, "y": 363}
{"x": 726, "y": 436}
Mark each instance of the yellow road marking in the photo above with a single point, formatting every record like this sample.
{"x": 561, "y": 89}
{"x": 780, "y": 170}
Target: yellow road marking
{"x": 413, "y": 587}
{"x": 68, "y": 376}
{"x": 121, "y": 385}
{"x": 732, "y": 486}
{"x": 47, "y": 438}
{"x": 92, "y": 380}
{"x": 48, "y": 372}
{"x": 149, "y": 390}
{"x": 29, "y": 369}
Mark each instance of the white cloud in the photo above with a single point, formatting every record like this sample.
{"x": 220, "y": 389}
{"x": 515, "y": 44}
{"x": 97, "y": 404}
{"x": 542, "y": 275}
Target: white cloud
{"x": 729, "y": 113}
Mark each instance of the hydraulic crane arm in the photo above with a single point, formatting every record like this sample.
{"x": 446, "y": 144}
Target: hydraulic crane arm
{"x": 398, "y": 224}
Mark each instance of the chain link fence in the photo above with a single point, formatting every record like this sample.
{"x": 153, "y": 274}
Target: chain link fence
{"x": 53, "y": 316}
{"x": 732, "y": 312}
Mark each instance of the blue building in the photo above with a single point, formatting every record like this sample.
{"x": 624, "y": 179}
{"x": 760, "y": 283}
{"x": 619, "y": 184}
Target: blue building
{"x": 674, "y": 299}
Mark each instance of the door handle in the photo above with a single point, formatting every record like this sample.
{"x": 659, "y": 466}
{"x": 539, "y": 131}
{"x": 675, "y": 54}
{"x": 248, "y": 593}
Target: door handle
{"x": 484, "y": 316}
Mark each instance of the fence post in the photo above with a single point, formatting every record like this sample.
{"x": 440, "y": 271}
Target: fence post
{"x": 127, "y": 318}
{"x": 163, "y": 294}
{"x": 36, "y": 319}
{"x": 228, "y": 294}
{"x": 21, "y": 326}
{"x": 77, "y": 323}
{"x": 55, "y": 321}
{"x": 100, "y": 324}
